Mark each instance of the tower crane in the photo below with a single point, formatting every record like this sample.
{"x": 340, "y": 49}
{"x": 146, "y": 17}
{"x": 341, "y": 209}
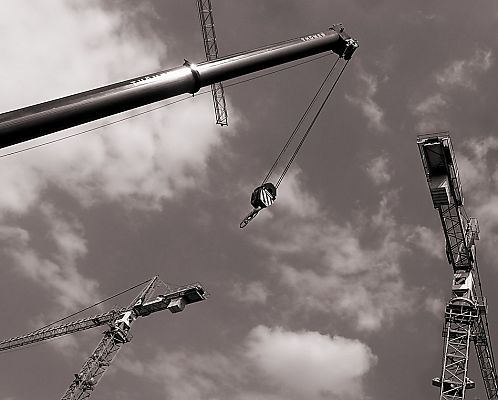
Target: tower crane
{"x": 119, "y": 322}
{"x": 35, "y": 121}
{"x": 466, "y": 314}
{"x": 211, "y": 48}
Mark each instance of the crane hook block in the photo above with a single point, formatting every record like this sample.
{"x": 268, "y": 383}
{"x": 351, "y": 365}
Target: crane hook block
{"x": 263, "y": 196}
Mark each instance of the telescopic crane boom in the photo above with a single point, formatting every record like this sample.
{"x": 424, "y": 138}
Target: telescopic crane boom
{"x": 119, "y": 322}
{"x": 465, "y": 316}
{"x": 41, "y": 119}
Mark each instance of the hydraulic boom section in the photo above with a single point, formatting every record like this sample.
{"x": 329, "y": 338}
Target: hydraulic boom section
{"x": 465, "y": 317}
{"x": 41, "y": 119}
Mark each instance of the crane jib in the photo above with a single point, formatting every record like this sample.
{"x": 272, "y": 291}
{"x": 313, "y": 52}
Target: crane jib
{"x": 38, "y": 120}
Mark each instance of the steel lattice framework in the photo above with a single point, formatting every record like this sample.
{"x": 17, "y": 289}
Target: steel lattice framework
{"x": 484, "y": 351}
{"x": 459, "y": 320}
{"x": 456, "y": 249}
{"x": 211, "y": 49}
{"x": 60, "y": 330}
{"x": 119, "y": 322}
{"x": 466, "y": 313}
{"x": 90, "y": 374}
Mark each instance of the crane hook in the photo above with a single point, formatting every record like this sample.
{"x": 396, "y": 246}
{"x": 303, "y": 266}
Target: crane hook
{"x": 263, "y": 196}
{"x": 249, "y": 217}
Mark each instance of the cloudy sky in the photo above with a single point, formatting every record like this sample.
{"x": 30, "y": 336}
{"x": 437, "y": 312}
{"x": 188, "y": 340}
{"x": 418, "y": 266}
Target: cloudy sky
{"x": 337, "y": 291}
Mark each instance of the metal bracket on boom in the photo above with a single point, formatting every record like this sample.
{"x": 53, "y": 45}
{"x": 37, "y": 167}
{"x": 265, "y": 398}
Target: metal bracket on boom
{"x": 196, "y": 75}
{"x": 351, "y": 44}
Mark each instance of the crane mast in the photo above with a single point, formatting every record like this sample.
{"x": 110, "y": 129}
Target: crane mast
{"x": 465, "y": 316}
{"x": 118, "y": 334}
{"x": 119, "y": 323}
{"x": 211, "y": 48}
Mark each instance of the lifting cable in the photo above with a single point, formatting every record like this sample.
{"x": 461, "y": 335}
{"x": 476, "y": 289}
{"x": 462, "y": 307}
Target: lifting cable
{"x": 264, "y": 195}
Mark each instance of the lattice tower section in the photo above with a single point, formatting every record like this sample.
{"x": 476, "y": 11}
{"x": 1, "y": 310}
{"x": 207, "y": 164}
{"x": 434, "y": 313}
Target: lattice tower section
{"x": 211, "y": 49}
{"x": 466, "y": 312}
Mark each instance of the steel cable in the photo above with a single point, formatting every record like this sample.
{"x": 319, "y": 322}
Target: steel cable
{"x": 310, "y": 126}
{"x": 291, "y": 137}
{"x": 158, "y": 107}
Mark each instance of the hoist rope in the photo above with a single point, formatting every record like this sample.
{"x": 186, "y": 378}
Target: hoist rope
{"x": 310, "y": 126}
{"x": 257, "y": 208}
{"x": 299, "y": 124}
{"x": 159, "y": 107}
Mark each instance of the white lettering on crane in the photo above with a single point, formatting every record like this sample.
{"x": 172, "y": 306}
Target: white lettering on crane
{"x": 311, "y": 37}
{"x": 146, "y": 78}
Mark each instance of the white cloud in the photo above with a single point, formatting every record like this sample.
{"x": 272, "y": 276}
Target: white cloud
{"x": 293, "y": 199}
{"x": 302, "y": 363}
{"x": 479, "y": 176}
{"x": 139, "y": 163}
{"x": 193, "y": 376}
{"x": 461, "y": 72}
{"x": 50, "y": 58}
{"x": 74, "y": 346}
{"x": 364, "y": 100}
{"x": 427, "y": 240}
{"x": 430, "y": 112}
{"x": 476, "y": 174}
{"x": 430, "y": 105}
{"x": 486, "y": 211}
{"x": 56, "y": 272}
{"x": 353, "y": 269}
{"x": 358, "y": 280}
{"x": 378, "y": 170}
{"x": 253, "y": 292}
{"x": 435, "y": 305}
{"x": 272, "y": 364}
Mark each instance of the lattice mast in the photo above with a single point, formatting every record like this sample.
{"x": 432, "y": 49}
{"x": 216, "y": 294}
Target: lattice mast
{"x": 119, "y": 322}
{"x": 95, "y": 366}
{"x": 211, "y": 49}
{"x": 465, "y": 317}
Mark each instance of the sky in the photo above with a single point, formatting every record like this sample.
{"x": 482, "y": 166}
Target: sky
{"x": 337, "y": 291}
